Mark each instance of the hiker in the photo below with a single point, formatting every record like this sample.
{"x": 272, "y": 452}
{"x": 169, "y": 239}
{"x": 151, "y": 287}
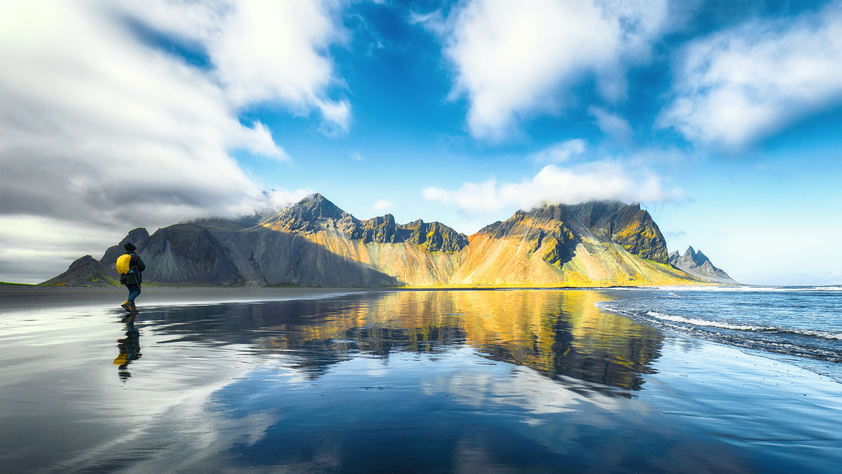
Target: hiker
{"x": 130, "y": 267}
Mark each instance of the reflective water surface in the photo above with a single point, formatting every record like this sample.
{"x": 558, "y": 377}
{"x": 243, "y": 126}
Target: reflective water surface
{"x": 406, "y": 381}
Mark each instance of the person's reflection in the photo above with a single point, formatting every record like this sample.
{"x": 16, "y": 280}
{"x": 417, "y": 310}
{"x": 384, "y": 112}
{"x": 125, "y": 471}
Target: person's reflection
{"x": 129, "y": 347}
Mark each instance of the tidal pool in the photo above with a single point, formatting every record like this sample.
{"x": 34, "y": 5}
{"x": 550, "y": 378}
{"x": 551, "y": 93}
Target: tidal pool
{"x": 398, "y": 381}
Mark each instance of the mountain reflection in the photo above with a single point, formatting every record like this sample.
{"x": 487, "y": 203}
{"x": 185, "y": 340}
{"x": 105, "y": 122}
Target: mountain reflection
{"x": 557, "y": 333}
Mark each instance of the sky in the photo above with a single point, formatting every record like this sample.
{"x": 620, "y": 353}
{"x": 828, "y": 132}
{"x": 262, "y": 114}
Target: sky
{"x": 720, "y": 117}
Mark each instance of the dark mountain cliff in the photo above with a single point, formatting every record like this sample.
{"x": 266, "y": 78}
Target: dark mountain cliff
{"x": 179, "y": 254}
{"x": 315, "y": 243}
{"x": 601, "y": 243}
{"x": 626, "y": 225}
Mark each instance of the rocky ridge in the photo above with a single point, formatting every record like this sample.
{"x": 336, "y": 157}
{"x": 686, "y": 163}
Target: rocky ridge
{"x": 86, "y": 271}
{"x": 699, "y": 265}
{"x": 315, "y": 243}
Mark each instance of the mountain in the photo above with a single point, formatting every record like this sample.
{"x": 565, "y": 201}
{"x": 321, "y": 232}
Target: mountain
{"x": 698, "y": 265}
{"x": 86, "y": 271}
{"x": 591, "y": 244}
{"x": 182, "y": 254}
{"x": 315, "y": 243}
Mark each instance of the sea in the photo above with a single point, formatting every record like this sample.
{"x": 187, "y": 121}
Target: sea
{"x": 676, "y": 380}
{"x": 799, "y": 325}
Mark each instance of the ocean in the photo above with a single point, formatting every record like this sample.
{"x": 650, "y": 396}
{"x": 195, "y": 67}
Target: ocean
{"x": 799, "y": 325}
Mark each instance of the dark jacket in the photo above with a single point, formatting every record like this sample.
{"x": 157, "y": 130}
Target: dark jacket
{"x": 136, "y": 266}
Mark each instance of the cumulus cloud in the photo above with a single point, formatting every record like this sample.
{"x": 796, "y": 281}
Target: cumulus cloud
{"x": 737, "y": 86}
{"x": 100, "y": 129}
{"x": 516, "y": 59}
{"x": 604, "y": 180}
{"x": 560, "y": 151}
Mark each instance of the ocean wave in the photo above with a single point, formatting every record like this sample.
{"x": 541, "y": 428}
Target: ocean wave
{"x": 744, "y": 327}
{"x": 704, "y": 322}
{"x": 821, "y": 334}
{"x": 750, "y": 289}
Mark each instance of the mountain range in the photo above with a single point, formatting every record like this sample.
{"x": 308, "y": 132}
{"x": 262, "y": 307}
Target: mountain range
{"x": 315, "y": 243}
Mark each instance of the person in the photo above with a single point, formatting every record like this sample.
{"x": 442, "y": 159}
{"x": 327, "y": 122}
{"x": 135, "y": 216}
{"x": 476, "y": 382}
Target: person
{"x": 133, "y": 278}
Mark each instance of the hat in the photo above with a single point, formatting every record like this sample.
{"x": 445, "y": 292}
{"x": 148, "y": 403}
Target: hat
{"x": 129, "y": 247}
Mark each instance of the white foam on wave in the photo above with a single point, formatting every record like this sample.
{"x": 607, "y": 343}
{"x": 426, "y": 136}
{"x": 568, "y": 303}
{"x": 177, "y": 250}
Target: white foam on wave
{"x": 749, "y": 289}
{"x": 704, "y": 322}
{"x": 743, "y": 327}
{"x": 821, "y": 334}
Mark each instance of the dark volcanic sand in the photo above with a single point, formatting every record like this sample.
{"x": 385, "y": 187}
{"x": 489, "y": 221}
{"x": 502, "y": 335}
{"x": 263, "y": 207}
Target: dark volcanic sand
{"x": 20, "y": 297}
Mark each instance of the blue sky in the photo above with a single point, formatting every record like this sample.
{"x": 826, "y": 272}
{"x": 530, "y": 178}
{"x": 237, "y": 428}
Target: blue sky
{"x": 721, "y": 117}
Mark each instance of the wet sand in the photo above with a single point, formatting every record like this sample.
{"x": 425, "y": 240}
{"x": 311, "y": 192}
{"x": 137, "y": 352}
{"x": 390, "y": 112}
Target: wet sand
{"x": 23, "y": 297}
{"x": 390, "y": 382}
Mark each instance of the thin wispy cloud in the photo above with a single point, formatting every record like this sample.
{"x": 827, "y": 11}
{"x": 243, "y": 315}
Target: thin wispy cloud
{"x": 560, "y": 152}
{"x": 382, "y": 205}
{"x": 611, "y": 124}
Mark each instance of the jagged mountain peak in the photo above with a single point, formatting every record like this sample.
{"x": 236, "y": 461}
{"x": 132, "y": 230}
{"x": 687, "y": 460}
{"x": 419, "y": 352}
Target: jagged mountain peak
{"x": 699, "y": 265}
{"x": 697, "y": 257}
{"x": 306, "y": 215}
{"x": 624, "y": 224}
{"x": 316, "y": 206}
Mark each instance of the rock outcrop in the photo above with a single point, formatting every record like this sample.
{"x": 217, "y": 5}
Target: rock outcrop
{"x": 591, "y": 244}
{"x": 698, "y": 265}
{"x": 86, "y": 271}
{"x": 315, "y": 243}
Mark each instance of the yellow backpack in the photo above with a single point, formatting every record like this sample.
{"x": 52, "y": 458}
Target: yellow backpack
{"x": 123, "y": 263}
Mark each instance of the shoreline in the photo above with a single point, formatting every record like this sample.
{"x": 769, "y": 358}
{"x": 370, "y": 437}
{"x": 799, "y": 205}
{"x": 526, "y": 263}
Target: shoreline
{"x": 22, "y": 298}
{"x": 31, "y": 297}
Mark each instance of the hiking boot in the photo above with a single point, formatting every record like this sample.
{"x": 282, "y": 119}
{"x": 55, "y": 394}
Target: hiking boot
{"x": 127, "y": 305}
{"x": 133, "y": 308}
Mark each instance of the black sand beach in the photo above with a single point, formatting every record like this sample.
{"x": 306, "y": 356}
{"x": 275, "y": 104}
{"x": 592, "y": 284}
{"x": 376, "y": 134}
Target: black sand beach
{"x": 22, "y": 297}
{"x": 274, "y": 379}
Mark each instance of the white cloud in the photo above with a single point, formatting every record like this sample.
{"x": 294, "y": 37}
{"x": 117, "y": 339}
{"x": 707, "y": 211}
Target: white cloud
{"x": 516, "y": 59}
{"x": 605, "y": 180}
{"x": 277, "y": 199}
{"x": 737, "y": 86}
{"x": 560, "y": 151}
{"x": 100, "y": 130}
{"x": 357, "y": 156}
{"x": 263, "y": 49}
{"x": 382, "y": 206}
{"x": 612, "y": 125}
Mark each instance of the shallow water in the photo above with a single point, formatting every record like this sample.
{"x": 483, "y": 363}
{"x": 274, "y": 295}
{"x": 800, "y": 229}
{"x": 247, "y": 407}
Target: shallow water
{"x": 412, "y": 381}
{"x": 800, "y": 325}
